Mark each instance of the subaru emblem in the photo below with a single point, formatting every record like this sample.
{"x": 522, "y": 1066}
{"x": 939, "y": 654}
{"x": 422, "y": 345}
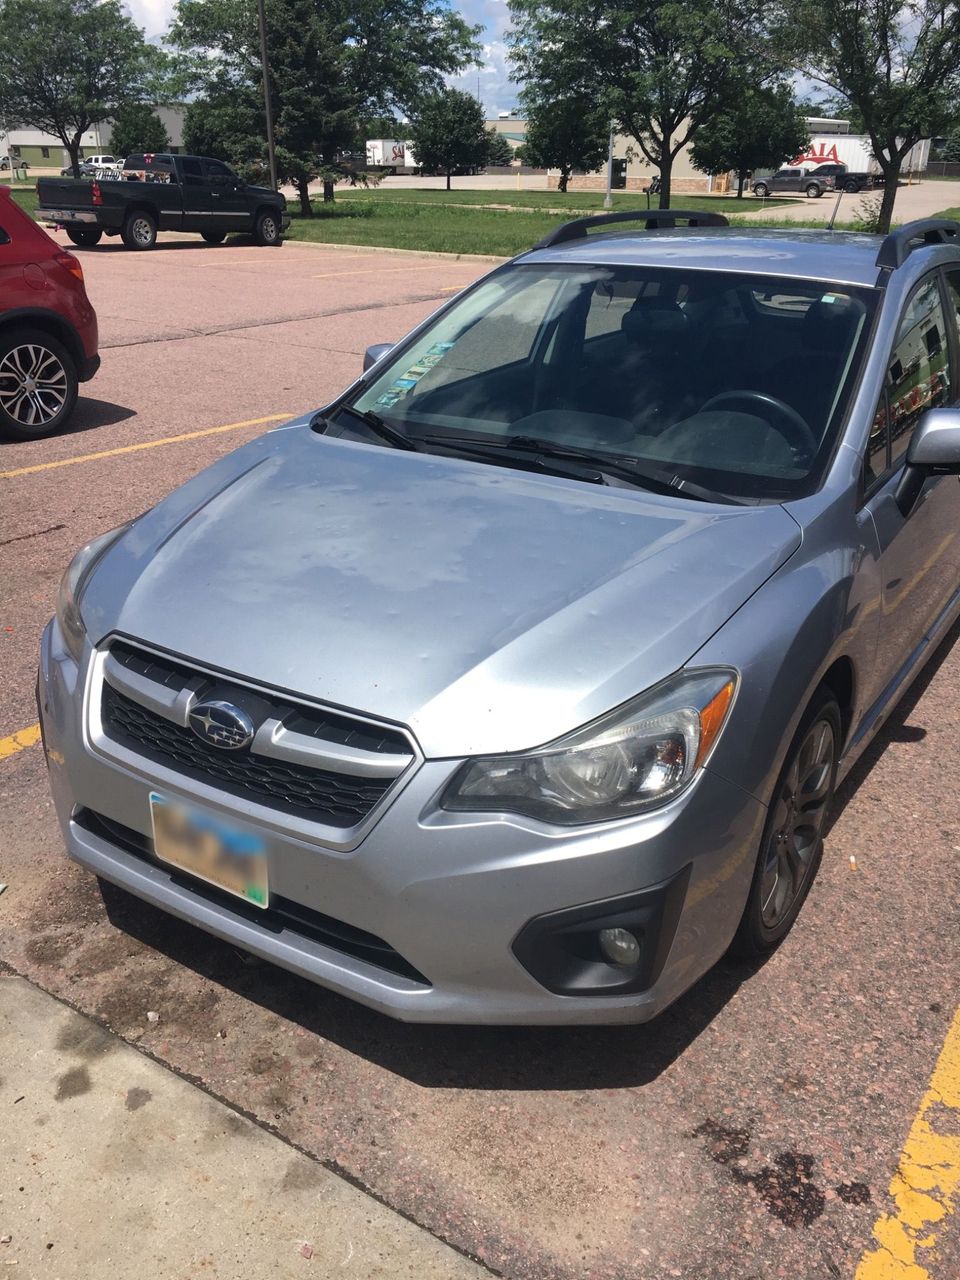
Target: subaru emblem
{"x": 221, "y": 724}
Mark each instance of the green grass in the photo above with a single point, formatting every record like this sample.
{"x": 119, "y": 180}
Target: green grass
{"x": 429, "y": 227}
{"x": 571, "y": 201}
{"x": 26, "y": 198}
{"x": 447, "y": 226}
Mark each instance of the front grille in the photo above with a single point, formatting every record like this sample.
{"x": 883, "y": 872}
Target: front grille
{"x": 325, "y": 726}
{"x": 336, "y": 799}
{"x": 282, "y": 914}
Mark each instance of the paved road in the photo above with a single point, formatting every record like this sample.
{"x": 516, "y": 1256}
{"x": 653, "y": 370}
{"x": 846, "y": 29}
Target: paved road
{"x": 752, "y": 1131}
{"x": 920, "y": 200}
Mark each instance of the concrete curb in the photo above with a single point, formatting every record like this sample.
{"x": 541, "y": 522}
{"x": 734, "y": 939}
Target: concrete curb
{"x": 413, "y": 253}
{"x": 117, "y": 1167}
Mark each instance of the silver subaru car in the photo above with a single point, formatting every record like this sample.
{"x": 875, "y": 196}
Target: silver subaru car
{"x": 514, "y": 686}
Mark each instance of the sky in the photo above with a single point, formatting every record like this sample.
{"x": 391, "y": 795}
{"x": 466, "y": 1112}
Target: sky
{"x": 496, "y": 92}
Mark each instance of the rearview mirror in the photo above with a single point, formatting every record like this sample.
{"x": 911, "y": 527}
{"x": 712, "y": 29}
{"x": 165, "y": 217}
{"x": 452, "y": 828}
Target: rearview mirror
{"x": 375, "y": 353}
{"x": 934, "y": 450}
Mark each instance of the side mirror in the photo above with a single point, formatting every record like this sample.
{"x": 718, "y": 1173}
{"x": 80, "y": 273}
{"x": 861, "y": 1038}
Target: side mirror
{"x": 375, "y": 353}
{"x": 934, "y": 450}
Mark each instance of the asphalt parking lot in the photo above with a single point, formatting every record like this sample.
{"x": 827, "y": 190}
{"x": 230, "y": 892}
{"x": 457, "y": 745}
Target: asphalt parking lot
{"x": 751, "y": 1133}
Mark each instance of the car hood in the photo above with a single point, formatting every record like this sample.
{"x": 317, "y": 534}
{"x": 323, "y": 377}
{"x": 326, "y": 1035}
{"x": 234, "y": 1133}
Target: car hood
{"x": 486, "y": 608}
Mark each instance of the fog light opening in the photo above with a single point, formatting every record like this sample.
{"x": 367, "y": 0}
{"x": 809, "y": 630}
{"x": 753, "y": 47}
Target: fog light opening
{"x": 619, "y": 947}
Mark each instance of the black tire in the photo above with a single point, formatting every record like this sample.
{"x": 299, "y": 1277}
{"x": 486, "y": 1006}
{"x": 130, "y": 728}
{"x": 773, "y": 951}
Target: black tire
{"x": 30, "y": 356}
{"x": 213, "y": 237}
{"x": 139, "y": 230}
{"x": 761, "y": 189}
{"x": 851, "y": 188}
{"x": 266, "y": 228}
{"x": 85, "y": 237}
{"x": 791, "y": 848}
{"x": 813, "y": 191}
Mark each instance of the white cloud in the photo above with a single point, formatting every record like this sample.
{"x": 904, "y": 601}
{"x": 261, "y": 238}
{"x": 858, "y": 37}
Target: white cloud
{"x": 153, "y": 15}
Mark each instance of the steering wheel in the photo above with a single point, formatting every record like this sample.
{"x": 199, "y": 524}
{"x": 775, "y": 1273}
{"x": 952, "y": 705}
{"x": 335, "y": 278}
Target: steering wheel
{"x": 789, "y": 424}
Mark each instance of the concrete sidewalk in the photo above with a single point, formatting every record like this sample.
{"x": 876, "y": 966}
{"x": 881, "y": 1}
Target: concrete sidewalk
{"x": 113, "y": 1167}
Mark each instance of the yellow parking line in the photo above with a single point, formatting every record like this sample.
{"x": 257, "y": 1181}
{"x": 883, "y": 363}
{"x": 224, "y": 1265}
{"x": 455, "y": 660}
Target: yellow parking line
{"x": 926, "y": 1185}
{"x": 146, "y": 444}
{"x": 19, "y": 741}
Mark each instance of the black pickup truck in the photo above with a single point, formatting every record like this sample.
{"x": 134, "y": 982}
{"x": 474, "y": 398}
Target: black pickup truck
{"x": 163, "y": 193}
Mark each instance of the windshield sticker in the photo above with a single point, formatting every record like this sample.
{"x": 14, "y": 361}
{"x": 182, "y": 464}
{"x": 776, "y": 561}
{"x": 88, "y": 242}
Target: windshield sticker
{"x": 400, "y": 386}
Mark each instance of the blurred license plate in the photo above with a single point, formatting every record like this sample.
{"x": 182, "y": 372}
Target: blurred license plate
{"x": 209, "y": 849}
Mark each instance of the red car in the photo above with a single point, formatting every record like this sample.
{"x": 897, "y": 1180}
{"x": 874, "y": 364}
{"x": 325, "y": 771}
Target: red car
{"x": 48, "y": 329}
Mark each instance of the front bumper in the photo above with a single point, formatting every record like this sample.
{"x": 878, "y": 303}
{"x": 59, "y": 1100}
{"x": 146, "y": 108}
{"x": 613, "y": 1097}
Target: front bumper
{"x": 450, "y": 895}
{"x": 88, "y": 368}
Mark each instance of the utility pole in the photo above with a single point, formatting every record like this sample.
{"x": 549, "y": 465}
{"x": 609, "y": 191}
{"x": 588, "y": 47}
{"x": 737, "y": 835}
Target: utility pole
{"x": 271, "y": 152}
{"x": 6, "y": 138}
{"x": 608, "y": 198}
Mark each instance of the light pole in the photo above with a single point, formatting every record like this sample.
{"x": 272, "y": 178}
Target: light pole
{"x": 271, "y": 153}
{"x": 608, "y": 198}
{"x": 6, "y": 139}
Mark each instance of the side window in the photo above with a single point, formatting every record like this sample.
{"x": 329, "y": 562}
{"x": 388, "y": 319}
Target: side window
{"x": 192, "y": 172}
{"x": 216, "y": 169}
{"x": 918, "y": 376}
{"x": 4, "y": 238}
{"x": 953, "y": 296}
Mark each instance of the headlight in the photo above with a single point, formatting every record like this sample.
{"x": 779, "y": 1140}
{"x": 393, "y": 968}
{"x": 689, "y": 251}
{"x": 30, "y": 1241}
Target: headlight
{"x": 631, "y": 760}
{"x": 74, "y": 580}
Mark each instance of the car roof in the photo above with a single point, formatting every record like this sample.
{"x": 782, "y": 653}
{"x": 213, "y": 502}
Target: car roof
{"x": 841, "y": 257}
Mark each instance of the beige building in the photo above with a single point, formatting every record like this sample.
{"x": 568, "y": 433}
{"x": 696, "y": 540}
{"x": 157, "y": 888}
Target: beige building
{"x": 45, "y": 151}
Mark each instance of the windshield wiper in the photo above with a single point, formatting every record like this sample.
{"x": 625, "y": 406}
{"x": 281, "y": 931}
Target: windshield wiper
{"x": 632, "y": 473}
{"x": 376, "y": 425}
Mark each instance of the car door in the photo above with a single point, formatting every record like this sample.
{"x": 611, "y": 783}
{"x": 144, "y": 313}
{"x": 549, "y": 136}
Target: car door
{"x": 196, "y": 194}
{"x": 787, "y": 180}
{"x": 919, "y": 551}
{"x": 228, "y": 198}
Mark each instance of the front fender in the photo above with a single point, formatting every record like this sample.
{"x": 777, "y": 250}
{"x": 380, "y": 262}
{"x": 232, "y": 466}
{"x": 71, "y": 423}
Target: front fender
{"x": 822, "y": 605}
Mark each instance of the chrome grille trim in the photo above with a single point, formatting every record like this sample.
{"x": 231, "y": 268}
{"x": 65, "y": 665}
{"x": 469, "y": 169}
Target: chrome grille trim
{"x": 273, "y": 740}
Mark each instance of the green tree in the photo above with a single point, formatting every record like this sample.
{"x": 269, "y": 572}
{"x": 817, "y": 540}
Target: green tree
{"x": 448, "y": 132}
{"x": 951, "y": 146}
{"x": 331, "y": 67}
{"x": 225, "y": 124}
{"x": 67, "y": 65}
{"x": 764, "y": 128}
{"x": 897, "y": 65}
{"x": 663, "y": 69}
{"x": 137, "y": 127}
{"x": 499, "y": 150}
{"x": 568, "y": 134}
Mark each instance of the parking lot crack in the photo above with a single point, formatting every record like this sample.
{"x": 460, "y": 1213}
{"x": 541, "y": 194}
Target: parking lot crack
{"x": 37, "y": 533}
{"x": 216, "y": 330}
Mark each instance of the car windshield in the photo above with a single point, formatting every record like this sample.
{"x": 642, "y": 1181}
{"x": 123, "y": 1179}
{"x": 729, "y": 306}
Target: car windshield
{"x": 734, "y": 383}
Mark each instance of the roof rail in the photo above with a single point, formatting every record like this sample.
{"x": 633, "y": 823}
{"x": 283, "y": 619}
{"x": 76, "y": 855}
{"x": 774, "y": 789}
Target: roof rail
{"x": 899, "y": 244}
{"x": 653, "y": 218}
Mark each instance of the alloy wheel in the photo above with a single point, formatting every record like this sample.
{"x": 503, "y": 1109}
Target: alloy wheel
{"x": 800, "y": 810}
{"x": 33, "y": 385}
{"x": 142, "y": 231}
